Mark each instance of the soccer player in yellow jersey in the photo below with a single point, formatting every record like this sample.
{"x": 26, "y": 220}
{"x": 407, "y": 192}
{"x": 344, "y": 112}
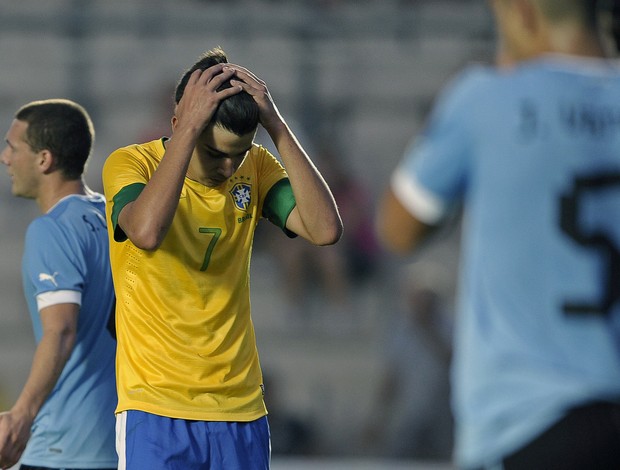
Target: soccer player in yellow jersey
{"x": 182, "y": 213}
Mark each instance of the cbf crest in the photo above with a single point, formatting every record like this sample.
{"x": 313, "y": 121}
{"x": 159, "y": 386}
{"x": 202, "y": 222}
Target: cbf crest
{"x": 242, "y": 195}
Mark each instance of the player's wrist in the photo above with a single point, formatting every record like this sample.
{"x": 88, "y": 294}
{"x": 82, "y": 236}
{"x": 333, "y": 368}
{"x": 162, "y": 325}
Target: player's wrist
{"x": 187, "y": 131}
{"x": 23, "y": 414}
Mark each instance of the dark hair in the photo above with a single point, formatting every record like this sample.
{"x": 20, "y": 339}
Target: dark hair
{"x": 238, "y": 113}
{"x": 62, "y": 127}
{"x": 609, "y": 11}
{"x": 615, "y": 22}
{"x": 584, "y": 10}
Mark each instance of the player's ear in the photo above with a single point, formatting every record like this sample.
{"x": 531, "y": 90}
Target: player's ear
{"x": 173, "y": 122}
{"x": 45, "y": 161}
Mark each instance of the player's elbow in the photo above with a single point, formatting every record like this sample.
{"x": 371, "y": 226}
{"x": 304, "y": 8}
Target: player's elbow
{"x": 146, "y": 238}
{"x": 147, "y": 243}
{"x": 330, "y": 234}
{"x": 143, "y": 228}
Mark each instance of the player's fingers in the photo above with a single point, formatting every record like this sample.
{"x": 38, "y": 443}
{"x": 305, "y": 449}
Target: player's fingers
{"x": 239, "y": 83}
{"x": 226, "y": 92}
{"x": 7, "y": 461}
{"x": 217, "y": 80}
{"x": 259, "y": 93}
{"x": 206, "y": 76}
{"x": 215, "y": 71}
{"x": 249, "y": 89}
{"x": 243, "y": 70}
{"x": 194, "y": 77}
{"x": 246, "y": 75}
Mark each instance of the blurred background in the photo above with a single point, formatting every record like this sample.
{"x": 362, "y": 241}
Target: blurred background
{"x": 355, "y": 345}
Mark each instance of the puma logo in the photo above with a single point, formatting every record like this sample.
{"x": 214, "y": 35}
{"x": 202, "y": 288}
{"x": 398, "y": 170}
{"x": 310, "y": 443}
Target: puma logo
{"x": 48, "y": 277}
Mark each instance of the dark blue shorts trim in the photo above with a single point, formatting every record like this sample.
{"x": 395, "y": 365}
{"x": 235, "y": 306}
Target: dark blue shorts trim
{"x": 30, "y": 467}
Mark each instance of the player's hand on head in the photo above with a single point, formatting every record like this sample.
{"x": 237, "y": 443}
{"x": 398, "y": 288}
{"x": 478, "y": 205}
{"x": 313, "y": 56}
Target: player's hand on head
{"x": 201, "y": 96}
{"x": 257, "y": 88}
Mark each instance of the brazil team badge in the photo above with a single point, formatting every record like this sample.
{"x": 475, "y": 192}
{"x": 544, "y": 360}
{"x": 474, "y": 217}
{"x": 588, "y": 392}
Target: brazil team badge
{"x": 241, "y": 194}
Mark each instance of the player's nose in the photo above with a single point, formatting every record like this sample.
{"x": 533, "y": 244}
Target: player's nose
{"x": 227, "y": 167}
{"x": 4, "y": 156}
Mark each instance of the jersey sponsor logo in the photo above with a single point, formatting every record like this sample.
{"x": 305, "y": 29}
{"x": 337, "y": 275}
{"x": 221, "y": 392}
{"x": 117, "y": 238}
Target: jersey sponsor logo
{"x": 48, "y": 277}
{"x": 242, "y": 195}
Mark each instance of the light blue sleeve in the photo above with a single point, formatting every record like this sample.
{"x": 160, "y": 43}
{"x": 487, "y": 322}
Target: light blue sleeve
{"x": 438, "y": 160}
{"x": 50, "y": 262}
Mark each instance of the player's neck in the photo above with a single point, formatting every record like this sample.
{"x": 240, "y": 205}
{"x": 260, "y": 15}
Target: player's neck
{"x": 577, "y": 42}
{"x": 568, "y": 40}
{"x": 54, "y": 191}
{"x": 196, "y": 173}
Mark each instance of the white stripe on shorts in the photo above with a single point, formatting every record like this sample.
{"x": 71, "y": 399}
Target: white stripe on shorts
{"x": 121, "y": 428}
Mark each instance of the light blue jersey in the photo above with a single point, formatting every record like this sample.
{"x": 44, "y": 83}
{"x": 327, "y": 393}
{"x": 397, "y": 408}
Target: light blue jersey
{"x": 534, "y": 156}
{"x": 66, "y": 250}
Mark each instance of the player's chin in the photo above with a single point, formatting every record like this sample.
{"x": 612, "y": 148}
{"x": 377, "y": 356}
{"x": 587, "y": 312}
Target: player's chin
{"x": 216, "y": 183}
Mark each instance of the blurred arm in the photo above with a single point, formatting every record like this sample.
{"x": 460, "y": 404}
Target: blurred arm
{"x": 398, "y": 231}
{"x": 59, "y": 331}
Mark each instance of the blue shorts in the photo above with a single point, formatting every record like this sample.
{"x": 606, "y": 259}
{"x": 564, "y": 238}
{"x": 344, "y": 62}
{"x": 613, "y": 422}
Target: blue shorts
{"x": 145, "y": 440}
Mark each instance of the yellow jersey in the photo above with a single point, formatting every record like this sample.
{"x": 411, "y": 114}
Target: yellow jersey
{"x": 186, "y": 343}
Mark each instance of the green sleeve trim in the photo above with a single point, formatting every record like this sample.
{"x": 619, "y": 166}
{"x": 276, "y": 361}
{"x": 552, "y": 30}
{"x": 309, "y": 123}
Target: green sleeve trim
{"x": 126, "y": 195}
{"x": 278, "y": 205}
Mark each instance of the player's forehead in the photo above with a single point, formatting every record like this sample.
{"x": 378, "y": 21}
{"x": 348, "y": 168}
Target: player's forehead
{"x": 16, "y": 134}
{"x": 224, "y": 141}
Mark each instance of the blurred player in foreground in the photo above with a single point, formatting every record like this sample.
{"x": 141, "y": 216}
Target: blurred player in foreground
{"x": 65, "y": 412}
{"x": 182, "y": 214}
{"x": 532, "y": 151}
